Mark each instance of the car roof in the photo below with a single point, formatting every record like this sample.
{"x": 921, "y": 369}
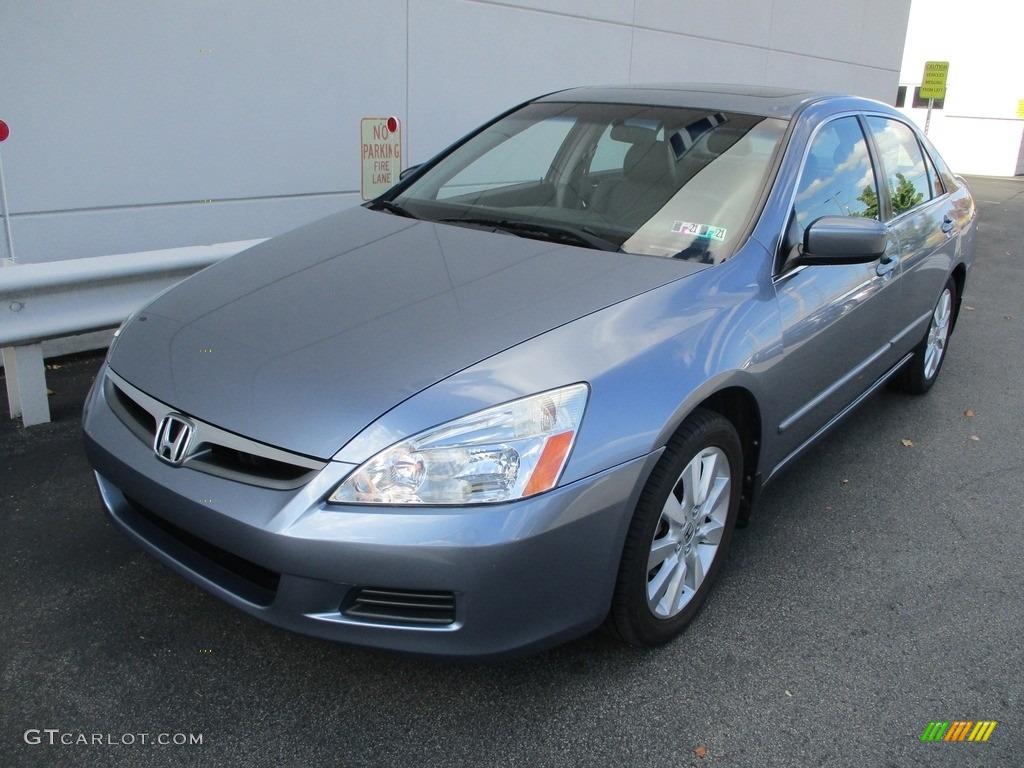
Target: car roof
{"x": 747, "y": 99}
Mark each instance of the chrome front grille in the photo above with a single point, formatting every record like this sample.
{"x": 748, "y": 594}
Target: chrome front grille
{"x": 212, "y": 450}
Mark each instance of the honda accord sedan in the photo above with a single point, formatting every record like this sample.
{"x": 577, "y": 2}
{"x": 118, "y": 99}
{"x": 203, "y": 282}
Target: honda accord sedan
{"x": 534, "y": 388}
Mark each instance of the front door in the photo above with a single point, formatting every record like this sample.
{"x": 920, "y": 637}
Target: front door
{"x": 837, "y": 320}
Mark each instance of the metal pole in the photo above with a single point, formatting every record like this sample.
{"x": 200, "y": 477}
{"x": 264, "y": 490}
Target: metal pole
{"x": 928, "y": 119}
{"x": 7, "y": 216}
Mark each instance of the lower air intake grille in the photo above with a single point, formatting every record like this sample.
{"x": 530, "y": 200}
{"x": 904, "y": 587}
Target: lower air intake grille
{"x": 400, "y": 606}
{"x": 242, "y": 577}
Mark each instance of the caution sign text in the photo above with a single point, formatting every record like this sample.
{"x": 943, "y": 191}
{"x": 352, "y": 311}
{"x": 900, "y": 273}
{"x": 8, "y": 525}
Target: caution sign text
{"x": 933, "y": 84}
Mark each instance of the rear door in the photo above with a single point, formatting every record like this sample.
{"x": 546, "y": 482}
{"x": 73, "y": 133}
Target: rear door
{"x": 924, "y": 217}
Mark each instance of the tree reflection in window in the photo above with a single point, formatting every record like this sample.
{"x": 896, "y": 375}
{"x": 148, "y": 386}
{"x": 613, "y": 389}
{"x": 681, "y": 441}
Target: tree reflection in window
{"x": 870, "y": 199}
{"x": 905, "y": 196}
{"x": 903, "y": 163}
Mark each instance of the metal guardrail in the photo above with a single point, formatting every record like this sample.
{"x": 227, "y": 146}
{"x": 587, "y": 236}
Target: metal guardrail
{"x": 52, "y": 300}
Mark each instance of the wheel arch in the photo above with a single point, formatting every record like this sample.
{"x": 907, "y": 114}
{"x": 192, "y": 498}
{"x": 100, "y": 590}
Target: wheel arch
{"x": 959, "y": 276}
{"x": 740, "y": 407}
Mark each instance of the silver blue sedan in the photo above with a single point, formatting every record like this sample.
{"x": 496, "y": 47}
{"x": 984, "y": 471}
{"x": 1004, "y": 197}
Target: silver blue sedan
{"x": 535, "y": 387}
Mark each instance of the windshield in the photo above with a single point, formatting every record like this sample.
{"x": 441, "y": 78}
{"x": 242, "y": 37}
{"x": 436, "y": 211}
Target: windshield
{"x": 661, "y": 181}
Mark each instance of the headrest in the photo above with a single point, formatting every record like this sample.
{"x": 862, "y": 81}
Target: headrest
{"x": 633, "y": 134}
{"x": 647, "y": 162}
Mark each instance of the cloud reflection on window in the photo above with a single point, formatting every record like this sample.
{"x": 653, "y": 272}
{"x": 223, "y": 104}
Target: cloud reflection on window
{"x": 903, "y": 163}
{"x": 837, "y": 179}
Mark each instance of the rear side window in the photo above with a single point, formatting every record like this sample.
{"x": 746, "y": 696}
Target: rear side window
{"x": 933, "y": 176}
{"x": 837, "y": 178}
{"x": 903, "y": 163}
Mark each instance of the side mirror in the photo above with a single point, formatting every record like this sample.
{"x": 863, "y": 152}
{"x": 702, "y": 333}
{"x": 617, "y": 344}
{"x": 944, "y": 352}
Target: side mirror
{"x": 843, "y": 240}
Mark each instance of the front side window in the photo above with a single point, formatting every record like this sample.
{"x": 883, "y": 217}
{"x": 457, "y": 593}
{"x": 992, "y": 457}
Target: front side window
{"x": 672, "y": 182}
{"x": 903, "y": 163}
{"x": 523, "y": 157}
{"x": 837, "y": 178}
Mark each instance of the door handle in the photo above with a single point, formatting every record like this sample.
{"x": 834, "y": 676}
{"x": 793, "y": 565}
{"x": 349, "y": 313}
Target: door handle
{"x": 947, "y": 224}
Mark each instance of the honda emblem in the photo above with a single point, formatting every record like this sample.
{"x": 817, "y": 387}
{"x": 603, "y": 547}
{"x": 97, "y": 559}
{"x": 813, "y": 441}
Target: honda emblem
{"x": 173, "y": 439}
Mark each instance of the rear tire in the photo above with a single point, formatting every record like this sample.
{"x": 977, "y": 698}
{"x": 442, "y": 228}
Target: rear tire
{"x": 921, "y": 371}
{"x": 680, "y": 531}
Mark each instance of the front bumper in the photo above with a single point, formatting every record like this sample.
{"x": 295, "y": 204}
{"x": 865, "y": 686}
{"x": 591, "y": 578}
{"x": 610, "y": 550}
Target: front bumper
{"x": 480, "y": 581}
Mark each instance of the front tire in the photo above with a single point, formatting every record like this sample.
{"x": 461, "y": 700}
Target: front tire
{"x": 679, "y": 532}
{"x": 921, "y": 371}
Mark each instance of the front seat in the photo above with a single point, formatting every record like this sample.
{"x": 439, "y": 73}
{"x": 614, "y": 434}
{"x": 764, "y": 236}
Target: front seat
{"x": 646, "y": 184}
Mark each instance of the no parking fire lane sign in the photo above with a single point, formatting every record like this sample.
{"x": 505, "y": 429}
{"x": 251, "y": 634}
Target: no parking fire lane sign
{"x": 381, "y": 150}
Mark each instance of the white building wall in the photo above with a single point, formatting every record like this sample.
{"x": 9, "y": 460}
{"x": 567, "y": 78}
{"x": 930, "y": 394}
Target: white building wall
{"x": 977, "y": 130}
{"x": 137, "y": 126}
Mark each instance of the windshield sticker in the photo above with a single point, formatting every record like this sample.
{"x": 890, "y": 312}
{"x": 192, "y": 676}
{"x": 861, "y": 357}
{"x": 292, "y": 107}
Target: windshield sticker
{"x": 709, "y": 231}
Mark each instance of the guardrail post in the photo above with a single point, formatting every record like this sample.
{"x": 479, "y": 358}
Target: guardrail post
{"x": 25, "y": 373}
{"x": 11, "y": 378}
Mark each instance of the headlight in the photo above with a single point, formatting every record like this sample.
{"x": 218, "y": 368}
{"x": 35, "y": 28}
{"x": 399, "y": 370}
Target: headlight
{"x": 507, "y": 452}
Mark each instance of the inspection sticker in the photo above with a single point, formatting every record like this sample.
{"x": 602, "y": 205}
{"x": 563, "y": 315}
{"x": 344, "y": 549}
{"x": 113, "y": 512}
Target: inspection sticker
{"x": 709, "y": 231}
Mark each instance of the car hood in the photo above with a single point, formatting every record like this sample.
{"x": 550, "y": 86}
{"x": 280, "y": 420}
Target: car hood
{"x": 306, "y": 339}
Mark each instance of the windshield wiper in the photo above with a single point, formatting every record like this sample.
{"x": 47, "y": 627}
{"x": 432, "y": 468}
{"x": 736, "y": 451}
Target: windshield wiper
{"x": 559, "y": 232}
{"x": 395, "y": 208}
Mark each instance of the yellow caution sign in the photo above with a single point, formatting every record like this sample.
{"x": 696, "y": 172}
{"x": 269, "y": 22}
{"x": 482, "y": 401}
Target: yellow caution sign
{"x": 933, "y": 83}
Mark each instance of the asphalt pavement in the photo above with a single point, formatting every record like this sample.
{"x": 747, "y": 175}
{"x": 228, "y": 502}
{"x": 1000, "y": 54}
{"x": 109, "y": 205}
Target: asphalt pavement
{"x": 879, "y": 588}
